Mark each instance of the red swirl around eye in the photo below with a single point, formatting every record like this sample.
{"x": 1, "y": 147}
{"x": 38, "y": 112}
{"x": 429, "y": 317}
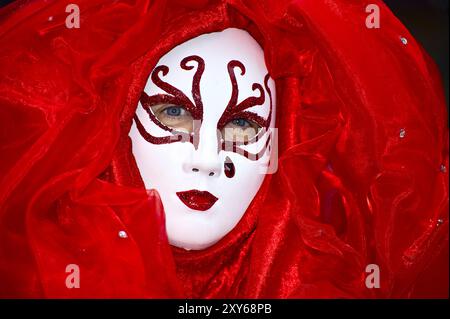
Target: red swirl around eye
{"x": 177, "y": 97}
{"x": 235, "y": 110}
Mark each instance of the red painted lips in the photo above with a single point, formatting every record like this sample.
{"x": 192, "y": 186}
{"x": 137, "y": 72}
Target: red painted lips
{"x": 198, "y": 200}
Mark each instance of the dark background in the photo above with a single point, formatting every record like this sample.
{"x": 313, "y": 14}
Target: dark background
{"x": 427, "y": 20}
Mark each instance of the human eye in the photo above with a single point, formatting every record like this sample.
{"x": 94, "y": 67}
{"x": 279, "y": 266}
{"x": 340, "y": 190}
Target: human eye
{"x": 174, "y": 116}
{"x": 240, "y": 130}
{"x": 175, "y": 111}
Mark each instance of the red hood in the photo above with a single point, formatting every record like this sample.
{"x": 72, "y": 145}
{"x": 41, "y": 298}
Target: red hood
{"x": 349, "y": 190}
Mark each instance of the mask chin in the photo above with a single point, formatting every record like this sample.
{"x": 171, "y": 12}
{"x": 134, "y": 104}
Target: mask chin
{"x": 221, "y": 85}
{"x": 192, "y": 245}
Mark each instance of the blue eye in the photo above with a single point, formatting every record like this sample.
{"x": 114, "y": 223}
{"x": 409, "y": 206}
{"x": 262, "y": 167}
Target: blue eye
{"x": 240, "y": 122}
{"x": 174, "y": 110}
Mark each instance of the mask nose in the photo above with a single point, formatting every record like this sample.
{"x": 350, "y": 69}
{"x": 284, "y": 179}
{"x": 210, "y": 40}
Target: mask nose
{"x": 205, "y": 159}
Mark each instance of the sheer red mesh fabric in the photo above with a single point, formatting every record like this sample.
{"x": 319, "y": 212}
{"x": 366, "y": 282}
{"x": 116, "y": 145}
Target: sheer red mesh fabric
{"x": 362, "y": 169}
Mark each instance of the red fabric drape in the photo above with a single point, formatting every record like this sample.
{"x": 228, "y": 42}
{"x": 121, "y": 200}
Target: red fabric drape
{"x": 362, "y": 169}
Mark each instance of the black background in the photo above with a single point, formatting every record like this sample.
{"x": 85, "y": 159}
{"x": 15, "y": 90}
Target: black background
{"x": 428, "y": 21}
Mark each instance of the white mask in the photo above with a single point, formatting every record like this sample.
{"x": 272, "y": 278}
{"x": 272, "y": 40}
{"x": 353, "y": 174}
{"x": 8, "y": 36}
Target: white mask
{"x": 179, "y": 140}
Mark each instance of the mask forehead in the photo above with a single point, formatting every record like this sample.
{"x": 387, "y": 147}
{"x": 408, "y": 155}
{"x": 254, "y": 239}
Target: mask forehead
{"x": 217, "y": 50}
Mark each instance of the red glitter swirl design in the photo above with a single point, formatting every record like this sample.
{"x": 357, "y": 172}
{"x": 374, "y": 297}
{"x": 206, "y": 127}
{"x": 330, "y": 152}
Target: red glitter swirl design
{"x": 234, "y": 110}
{"x": 176, "y": 97}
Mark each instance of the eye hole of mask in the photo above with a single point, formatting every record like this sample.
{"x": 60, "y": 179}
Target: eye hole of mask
{"x": 175, "y": 117}
{"x": 240, "y": 130}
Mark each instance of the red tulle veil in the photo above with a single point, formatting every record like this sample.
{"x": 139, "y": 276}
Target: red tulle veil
{"x": 362, "y": 169}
